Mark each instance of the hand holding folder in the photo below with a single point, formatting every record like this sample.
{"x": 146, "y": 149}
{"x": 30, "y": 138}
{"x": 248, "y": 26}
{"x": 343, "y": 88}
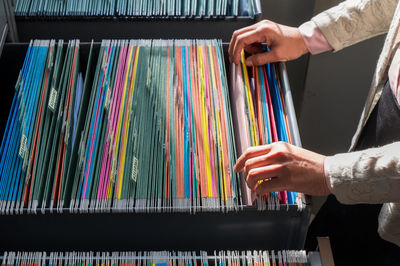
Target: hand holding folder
{"x": 282, "y": 166}
{"x": 285, "y": 43}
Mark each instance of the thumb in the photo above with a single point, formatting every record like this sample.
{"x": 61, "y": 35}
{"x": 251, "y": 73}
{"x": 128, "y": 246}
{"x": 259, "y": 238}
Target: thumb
{"x": 261, "y": 58}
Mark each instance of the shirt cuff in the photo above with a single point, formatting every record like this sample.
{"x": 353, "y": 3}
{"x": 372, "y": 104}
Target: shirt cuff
{"x": 327, "y": 177}
{"x": 313, "y": 38}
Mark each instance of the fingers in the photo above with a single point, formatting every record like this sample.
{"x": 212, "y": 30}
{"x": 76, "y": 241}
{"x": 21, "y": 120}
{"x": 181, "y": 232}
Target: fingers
{"x": 245, "y": 39}
{"x": 255, "y": 163}
{"x": 262, "y": 174}
{"x": 275, "y": 184}
{"x": 262, "y": 58}
{"x": 250, "y": 153}
{"x": 234, "y": 37}
{"x": 254, "y": 48}
{"x": 286, "y": 43}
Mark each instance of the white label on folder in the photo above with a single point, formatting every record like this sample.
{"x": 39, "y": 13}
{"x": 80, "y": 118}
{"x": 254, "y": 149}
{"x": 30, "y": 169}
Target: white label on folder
{"x": 53, "y": 99}
{"x": 134, "y": 168}
{"x": 22, "y": 147}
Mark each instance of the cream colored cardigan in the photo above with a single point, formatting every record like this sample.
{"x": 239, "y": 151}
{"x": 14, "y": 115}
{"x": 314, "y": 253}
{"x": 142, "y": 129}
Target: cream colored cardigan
{"x": 372, "y": 175}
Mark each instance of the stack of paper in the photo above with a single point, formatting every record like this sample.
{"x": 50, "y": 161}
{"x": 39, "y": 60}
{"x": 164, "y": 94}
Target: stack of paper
{"x": 147, "y": 128}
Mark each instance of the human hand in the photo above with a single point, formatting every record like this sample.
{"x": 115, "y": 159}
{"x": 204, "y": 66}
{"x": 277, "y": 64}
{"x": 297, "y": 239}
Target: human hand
{"x": 285, "y": 43}
{"x": 282, "y": 166}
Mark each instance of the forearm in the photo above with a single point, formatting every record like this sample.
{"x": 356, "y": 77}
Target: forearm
{"x": 368, "y": 176}
{"x": 353, "y": 21}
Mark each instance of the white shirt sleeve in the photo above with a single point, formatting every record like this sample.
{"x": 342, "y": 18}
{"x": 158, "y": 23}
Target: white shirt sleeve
{"x": 353, "y": 21}
{"x": 367, "y": 176}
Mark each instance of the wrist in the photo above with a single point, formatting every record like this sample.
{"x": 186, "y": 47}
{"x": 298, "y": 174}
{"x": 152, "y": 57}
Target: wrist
{"x": 313, "y": 38}
{"x": 301, "y": 44}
